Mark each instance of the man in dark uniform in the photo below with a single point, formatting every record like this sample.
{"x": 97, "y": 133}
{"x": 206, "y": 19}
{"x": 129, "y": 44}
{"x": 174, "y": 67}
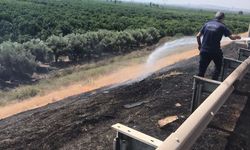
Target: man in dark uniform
{"x": 210, "y": 49}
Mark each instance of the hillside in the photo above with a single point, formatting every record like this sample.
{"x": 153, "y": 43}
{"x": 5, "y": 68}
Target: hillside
{"x": 83, "y": 121}
{"x": 43, "y": 37}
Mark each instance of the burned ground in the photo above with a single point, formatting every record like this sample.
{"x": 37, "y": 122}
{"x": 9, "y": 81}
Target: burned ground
{"x": 84, "y": 121}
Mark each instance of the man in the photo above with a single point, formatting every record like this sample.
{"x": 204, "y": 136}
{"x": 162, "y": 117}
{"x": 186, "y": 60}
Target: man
{"x": 210, "y": 49}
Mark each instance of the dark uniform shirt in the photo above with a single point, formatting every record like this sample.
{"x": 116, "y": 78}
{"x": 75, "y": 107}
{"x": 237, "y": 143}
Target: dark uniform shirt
{"x": 213, "y": 32}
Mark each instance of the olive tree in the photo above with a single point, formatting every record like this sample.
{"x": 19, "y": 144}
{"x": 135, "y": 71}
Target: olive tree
{"x": 39, "y": 49}
{"x": 58, "y": 45}
{"x": 15, "y": 61}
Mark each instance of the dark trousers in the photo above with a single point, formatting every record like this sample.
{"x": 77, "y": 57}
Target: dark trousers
{"x": 205, "y": 59}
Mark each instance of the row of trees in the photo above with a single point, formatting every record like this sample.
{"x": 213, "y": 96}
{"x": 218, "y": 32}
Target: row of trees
{"x": 21, "y": 59}
{"x": 23, "y": 20}
{"x": 97, "y": 44}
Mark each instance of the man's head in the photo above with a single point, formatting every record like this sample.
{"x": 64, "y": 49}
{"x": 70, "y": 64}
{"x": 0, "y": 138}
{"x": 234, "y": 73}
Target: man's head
{"x": 220, "y": 15}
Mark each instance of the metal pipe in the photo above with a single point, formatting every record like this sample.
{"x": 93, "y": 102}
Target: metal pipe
{"x": 194, "y": 96}
{"x": 116, "y": 144}
{"x": 248, "y": 43}
{"x": 249, "y": 31}
{"x": 185, "y": 136}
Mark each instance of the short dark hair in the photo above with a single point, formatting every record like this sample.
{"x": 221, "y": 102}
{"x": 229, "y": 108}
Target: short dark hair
{"x": 219, "y": 15}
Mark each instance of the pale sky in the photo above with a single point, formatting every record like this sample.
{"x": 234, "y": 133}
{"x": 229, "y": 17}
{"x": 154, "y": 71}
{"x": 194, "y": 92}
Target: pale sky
{"x": 229, "y": 4}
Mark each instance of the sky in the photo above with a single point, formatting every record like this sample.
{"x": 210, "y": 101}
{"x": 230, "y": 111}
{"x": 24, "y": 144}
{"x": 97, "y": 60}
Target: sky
{"x": 228, "y": 4}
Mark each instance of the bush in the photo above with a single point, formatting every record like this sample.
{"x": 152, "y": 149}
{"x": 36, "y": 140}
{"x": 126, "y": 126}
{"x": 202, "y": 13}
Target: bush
{"x": 24, "y": 93}
{"x": 38, "y": 49}
{"x": 15, "y": 61}
{"x": 58, "y": 45}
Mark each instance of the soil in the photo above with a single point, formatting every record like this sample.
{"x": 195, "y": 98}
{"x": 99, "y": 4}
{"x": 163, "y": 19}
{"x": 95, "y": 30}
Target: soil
{"x": 115, "y": 77}
{"x": 84, "y": 121}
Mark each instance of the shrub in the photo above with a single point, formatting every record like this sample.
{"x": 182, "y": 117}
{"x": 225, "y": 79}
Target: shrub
{"x": 15, "y": 61}
{"x": 25, "y": 92}
{"x": 58, "y": 45}
{"x": 38, "y": 49}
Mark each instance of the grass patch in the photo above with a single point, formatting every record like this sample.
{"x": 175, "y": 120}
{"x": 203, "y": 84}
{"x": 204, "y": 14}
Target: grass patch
{"x": 24, "y": 93}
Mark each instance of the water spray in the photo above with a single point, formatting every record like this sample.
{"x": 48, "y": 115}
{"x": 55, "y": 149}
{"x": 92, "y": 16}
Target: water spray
{"x": 171, "y": 47}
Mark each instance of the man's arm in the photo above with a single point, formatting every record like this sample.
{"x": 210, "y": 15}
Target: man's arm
{"x": 234, "y": 37}
{"x": 198, "y": 37}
